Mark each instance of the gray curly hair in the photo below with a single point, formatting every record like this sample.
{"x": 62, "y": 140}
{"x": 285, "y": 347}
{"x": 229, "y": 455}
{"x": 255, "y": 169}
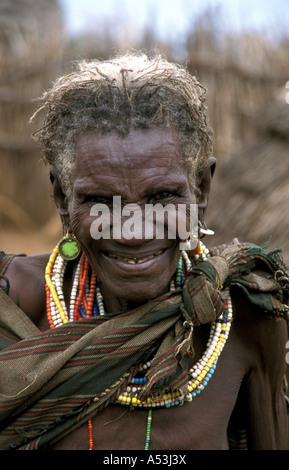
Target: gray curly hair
{"x": 131, "y": 91}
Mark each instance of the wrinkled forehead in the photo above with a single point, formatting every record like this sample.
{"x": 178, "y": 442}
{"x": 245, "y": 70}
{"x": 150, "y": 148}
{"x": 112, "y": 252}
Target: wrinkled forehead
{"x": 141, "y": 160}
{"x": 140, "y": 149}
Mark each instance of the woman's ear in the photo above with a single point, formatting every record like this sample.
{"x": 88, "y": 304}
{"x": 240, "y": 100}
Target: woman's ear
{"x": 59, "y": 198}
{"x": 205, "y": 187}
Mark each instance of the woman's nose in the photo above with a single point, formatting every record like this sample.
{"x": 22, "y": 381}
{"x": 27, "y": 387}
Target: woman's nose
{"x": 129, "y": 227}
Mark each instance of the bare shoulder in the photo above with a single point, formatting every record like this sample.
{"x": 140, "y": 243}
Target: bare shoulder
{"x": 262, "y": 335}
{"x": 27, "y": 284}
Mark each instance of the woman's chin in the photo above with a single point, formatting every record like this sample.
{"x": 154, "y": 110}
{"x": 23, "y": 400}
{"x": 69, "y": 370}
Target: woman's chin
{"x": 138, "y": 294}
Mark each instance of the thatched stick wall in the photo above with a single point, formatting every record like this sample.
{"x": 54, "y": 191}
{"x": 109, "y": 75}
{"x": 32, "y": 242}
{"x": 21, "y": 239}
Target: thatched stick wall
{"x": 30, "y": 57}
{"x": 250, "y": 195}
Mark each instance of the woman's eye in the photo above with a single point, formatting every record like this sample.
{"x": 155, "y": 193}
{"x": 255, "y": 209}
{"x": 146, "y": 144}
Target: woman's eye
{"x": 98, "y": 200}
{"x": 163, "y": 196}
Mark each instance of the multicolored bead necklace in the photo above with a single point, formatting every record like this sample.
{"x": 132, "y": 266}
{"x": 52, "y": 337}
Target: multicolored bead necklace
{"x": 86, "y": 301}
{"x": 85, "y": 298}
{"x": 200, "y": 374}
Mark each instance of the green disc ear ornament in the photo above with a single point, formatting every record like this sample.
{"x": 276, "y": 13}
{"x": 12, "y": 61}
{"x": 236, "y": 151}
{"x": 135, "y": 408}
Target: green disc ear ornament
{"x": 69, "y": 248}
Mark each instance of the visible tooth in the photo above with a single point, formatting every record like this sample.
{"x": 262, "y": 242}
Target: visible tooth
{"x": 135, "y": 260}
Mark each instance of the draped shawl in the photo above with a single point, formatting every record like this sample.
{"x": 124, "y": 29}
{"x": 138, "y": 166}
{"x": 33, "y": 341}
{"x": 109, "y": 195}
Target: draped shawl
{"x": 53, "y": 381}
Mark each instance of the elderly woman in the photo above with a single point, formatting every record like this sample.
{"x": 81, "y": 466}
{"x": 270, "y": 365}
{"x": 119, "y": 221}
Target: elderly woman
{"x": 128, "y": 342}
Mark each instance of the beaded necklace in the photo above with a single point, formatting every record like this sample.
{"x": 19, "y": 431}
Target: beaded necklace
{"x": 200, "y": 374}
{"x": 86, "y": 301}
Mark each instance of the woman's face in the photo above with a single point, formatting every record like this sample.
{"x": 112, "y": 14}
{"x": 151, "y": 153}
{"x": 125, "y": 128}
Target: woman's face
{"x": 142, "y": 168}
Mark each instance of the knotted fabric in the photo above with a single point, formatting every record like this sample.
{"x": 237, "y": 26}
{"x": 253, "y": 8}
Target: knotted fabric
{"x": 53, "y": 381}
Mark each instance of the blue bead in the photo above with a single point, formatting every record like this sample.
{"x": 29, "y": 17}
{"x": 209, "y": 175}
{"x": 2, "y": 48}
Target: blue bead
{"x": 82, "y": 312}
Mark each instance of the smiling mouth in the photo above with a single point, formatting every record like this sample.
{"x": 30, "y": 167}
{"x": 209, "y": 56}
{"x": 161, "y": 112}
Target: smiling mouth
{"x": 134, "y": 260}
